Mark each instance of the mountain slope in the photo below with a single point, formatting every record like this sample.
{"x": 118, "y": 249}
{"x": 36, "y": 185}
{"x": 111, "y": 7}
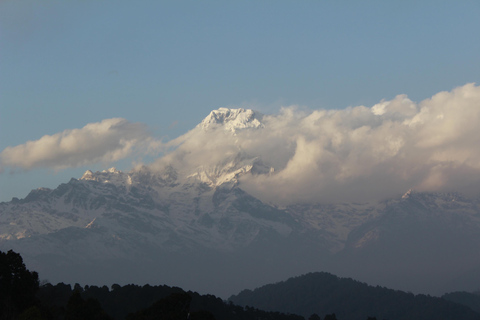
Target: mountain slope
{"x": 147, "y": 227}
{"x": 187, "y": 220}
{"x": 430, "y": 238}
{"x": 323, "y": 293}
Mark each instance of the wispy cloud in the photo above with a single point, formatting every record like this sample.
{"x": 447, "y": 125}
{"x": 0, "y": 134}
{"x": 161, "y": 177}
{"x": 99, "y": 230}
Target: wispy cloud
{"x": 107, "y": 141}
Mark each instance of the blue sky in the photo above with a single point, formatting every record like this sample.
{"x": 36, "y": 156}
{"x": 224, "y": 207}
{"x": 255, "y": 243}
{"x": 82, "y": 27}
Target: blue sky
{"x": 167, "y": 64}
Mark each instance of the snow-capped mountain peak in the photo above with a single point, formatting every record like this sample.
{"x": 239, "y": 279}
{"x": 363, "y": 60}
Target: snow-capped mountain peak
{"x": 88, "y": 175}
{"x": 111, "y": 175}
{"x": 230, "y": 170}
{"x": 407, "y": 194}
{"x": 232, "y": 119}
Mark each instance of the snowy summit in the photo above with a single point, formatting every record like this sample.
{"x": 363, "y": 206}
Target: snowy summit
{"x": 232, "y": 119}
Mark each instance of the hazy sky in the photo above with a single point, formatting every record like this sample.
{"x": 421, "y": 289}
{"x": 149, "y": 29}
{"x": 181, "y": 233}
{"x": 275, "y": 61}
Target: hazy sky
{"x": 111, "y": 79}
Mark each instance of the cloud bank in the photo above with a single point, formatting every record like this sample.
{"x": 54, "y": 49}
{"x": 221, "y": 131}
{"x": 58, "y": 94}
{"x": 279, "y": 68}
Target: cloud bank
{"x": 355, "y": 154}
{"x": 107, "y": 141}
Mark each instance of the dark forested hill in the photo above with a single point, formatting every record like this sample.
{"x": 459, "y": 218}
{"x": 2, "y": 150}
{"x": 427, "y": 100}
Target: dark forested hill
{"x": 323, "y": 293}
{"x": 134, "y": 302}
{"x": 468, "y": 299}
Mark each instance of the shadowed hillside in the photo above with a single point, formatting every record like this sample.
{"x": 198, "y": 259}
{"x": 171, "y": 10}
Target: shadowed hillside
{"x": 323, "y": 293}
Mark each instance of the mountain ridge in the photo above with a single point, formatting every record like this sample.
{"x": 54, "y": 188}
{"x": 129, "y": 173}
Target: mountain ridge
{"x": 185, "y": 213}
{"x": 323, "y": 293}
{"x": 132, "y": 220}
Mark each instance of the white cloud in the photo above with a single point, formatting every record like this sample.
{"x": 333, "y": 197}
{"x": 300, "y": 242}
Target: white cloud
{"x": 353, "y": 154}
{"x": 107, "y": 141}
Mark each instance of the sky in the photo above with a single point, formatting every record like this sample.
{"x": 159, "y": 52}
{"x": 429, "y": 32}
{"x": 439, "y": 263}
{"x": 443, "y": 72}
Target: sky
{"x": 93, "y": 84}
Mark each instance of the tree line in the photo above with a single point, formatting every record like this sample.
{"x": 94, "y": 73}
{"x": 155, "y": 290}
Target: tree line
{"x": 23, "y": 297}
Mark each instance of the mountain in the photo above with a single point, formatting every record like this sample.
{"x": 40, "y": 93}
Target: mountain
{"x": 323, "y": 293}
{"x": 187, "y": 220}
{"x": 106, "y": 225}
{"x": 431, "y": 239}
{"x": 471, "y": 300}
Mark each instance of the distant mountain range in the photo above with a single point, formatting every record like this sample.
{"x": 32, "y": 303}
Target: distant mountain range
{"x": 196, "y": 227}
